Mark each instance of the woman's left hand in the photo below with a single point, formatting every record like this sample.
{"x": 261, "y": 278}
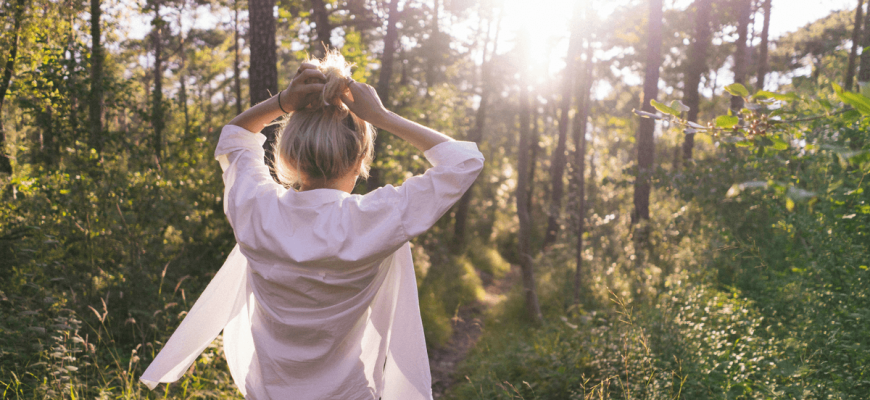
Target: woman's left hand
{"x": 298, "y": 94}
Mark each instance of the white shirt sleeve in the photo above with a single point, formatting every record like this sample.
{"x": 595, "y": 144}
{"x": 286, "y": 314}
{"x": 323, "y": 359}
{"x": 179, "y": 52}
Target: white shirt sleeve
{"x": 274, "y": 223}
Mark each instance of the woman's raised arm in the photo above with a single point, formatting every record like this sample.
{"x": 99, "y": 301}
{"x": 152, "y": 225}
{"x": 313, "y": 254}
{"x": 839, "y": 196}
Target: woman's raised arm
{"x": 308, "y": 80}
{"x": 365, "y": 103}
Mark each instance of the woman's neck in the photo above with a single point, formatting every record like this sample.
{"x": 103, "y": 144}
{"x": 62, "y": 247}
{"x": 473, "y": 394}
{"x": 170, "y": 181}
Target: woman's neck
{"x": 345, "y": 184}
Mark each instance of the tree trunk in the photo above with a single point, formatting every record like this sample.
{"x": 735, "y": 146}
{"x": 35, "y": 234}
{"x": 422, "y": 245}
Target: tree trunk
{"x": 237, "y": 70}
{"x": 644, "y": 138}
{"x": 475, "y": 135}
{"x": 762, "y": 48}
{"x": 385, "y": 76}
{"x": 524, "y": 237}
{"x": 263, "y": 72}
{"x": 95, "y": 97}
{"x": 557, "y": 165}
{"x": 158, "y": 122}
{"x": 697, "y": 64}
{"x": 580, "y": 120}
{"x": 322, "y": 27}
{"x": 853, "y": 54}
{"x": 864, "y": 69}
{"x": 744, "y": 12}
{"x": 182, "y": 71}
{"x": 536, "y": 147}
{"x": 8, "y": 71}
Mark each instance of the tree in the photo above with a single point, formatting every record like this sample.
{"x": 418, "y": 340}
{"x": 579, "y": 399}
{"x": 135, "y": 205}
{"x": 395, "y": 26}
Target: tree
{"x": 864, "y": 69}
{"x": 263, "y": 72}
{"x": 322, "y": 27}
{"x": 853, "y": 54}
{"x": 762, "y": 48}
{"x": 580, "y": 120}
{"x": 533, "y": 309}
{"x": 95, "y": 98}
{"x": 383, "y": 88}
{"x": 158, "y": 117}
{"x": 237, "y": 69}
{"x": 8, "y": 71}
{"x": 644, "y": 136}
{"x": 695, "y": 67}
{"x": 557, "y": 165}
{"x": 744, "y": 12}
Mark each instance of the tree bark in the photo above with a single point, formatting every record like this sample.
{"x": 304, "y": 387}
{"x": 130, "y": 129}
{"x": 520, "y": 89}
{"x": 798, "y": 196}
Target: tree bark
{"x": 8, "y": 71}
{"x": 744, "y": 12}
{"x": 580, "y": 121}
{"x": 322, "y": 27}
{"x": 535, "y": 144}
{"x": 557, "y": 165}
{"x": 697, "y": 64}
{"x": 853, "y": 54}
{"x": 237, "y": 70}
{"x": 158, "y": 122}
{"x": 95, "y": 97}
{"x": 644, "y": 137}
{"x": 182, "y": 71}
{"x": 263, "y": 71}
{"x": 375, "y": 179}
{"x": 864, "y": 69}
{"x": 533, "y": 309}
{"x": 763, "y": 47}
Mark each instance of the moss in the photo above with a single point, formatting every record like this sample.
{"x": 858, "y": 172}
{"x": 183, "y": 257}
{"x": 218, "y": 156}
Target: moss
{"x": 488, "y": 260}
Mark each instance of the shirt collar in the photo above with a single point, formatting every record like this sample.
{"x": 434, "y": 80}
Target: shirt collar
{"x": 316, "y": 197}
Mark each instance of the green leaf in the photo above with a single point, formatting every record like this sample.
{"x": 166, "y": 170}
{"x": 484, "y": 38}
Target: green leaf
{"x": 727, "y": 121}
{"x": 778, "y": 143}
{"x": 737, "y": 89}
{"x": 663, "y": 108}
{"x": 859, "y": 102}
{"x": 679, "y": 106}
{"x": 764, "y": 94}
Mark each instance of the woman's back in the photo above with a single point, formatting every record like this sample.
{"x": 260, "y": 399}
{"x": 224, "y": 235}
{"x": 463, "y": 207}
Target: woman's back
{"x": 319, "y": 298}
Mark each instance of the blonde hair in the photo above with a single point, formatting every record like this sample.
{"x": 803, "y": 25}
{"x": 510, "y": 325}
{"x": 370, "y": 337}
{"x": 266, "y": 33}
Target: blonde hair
{"x": 324, "y": 141}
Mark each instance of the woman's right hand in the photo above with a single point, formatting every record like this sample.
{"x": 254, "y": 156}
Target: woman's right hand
{"x": 363, "y": 101}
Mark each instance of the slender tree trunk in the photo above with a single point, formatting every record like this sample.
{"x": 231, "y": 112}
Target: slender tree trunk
{"x": 95, "y": 100}
{"x": 645, "y": 143}
{"x": 744, "y": 12}
{"x": 321, "y": 26}
{"x": 853, "y": 54}
{"x": 384, "y": 77}
{"x": 237, "y": 70}
{"x": 182, "y": 71}
{"x": 762, "y": 48}
{"x": 533, "y": 309}
{"x": 580, "y": 121}
{"x": 557, "y": 165}
{"x": 158, "y": 122}
{"x": 864, "y": 69}
{"x": 697, "y": 64}
{"x": 263, "y": 72}
{"x": 536, "y": 147}
{"x": 475, "y": 135}
{"x": 8, "y": 71}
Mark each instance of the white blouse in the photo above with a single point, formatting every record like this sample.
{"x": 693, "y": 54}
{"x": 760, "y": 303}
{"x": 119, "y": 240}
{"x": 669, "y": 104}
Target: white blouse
{"x": 318, "y": 299}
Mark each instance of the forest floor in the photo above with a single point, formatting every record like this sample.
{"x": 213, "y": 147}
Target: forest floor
{"x": 468, "y": 325}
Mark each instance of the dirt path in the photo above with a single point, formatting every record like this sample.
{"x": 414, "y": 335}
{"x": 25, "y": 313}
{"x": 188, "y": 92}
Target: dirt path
{"x": 467, "y": 328}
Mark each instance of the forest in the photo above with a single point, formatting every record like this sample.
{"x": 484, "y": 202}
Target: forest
{"x": 674, "y": 203}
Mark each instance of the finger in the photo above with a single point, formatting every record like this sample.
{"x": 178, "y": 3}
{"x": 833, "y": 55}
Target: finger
{"x": 310, "y": 88}
{"x": 348, "y": 100}
{"x": 311, "y": 73}
{"x": 305, "y": 66}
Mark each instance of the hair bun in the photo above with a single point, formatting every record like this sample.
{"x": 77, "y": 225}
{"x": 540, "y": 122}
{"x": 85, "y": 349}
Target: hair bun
{"x": 337, "y": 72}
